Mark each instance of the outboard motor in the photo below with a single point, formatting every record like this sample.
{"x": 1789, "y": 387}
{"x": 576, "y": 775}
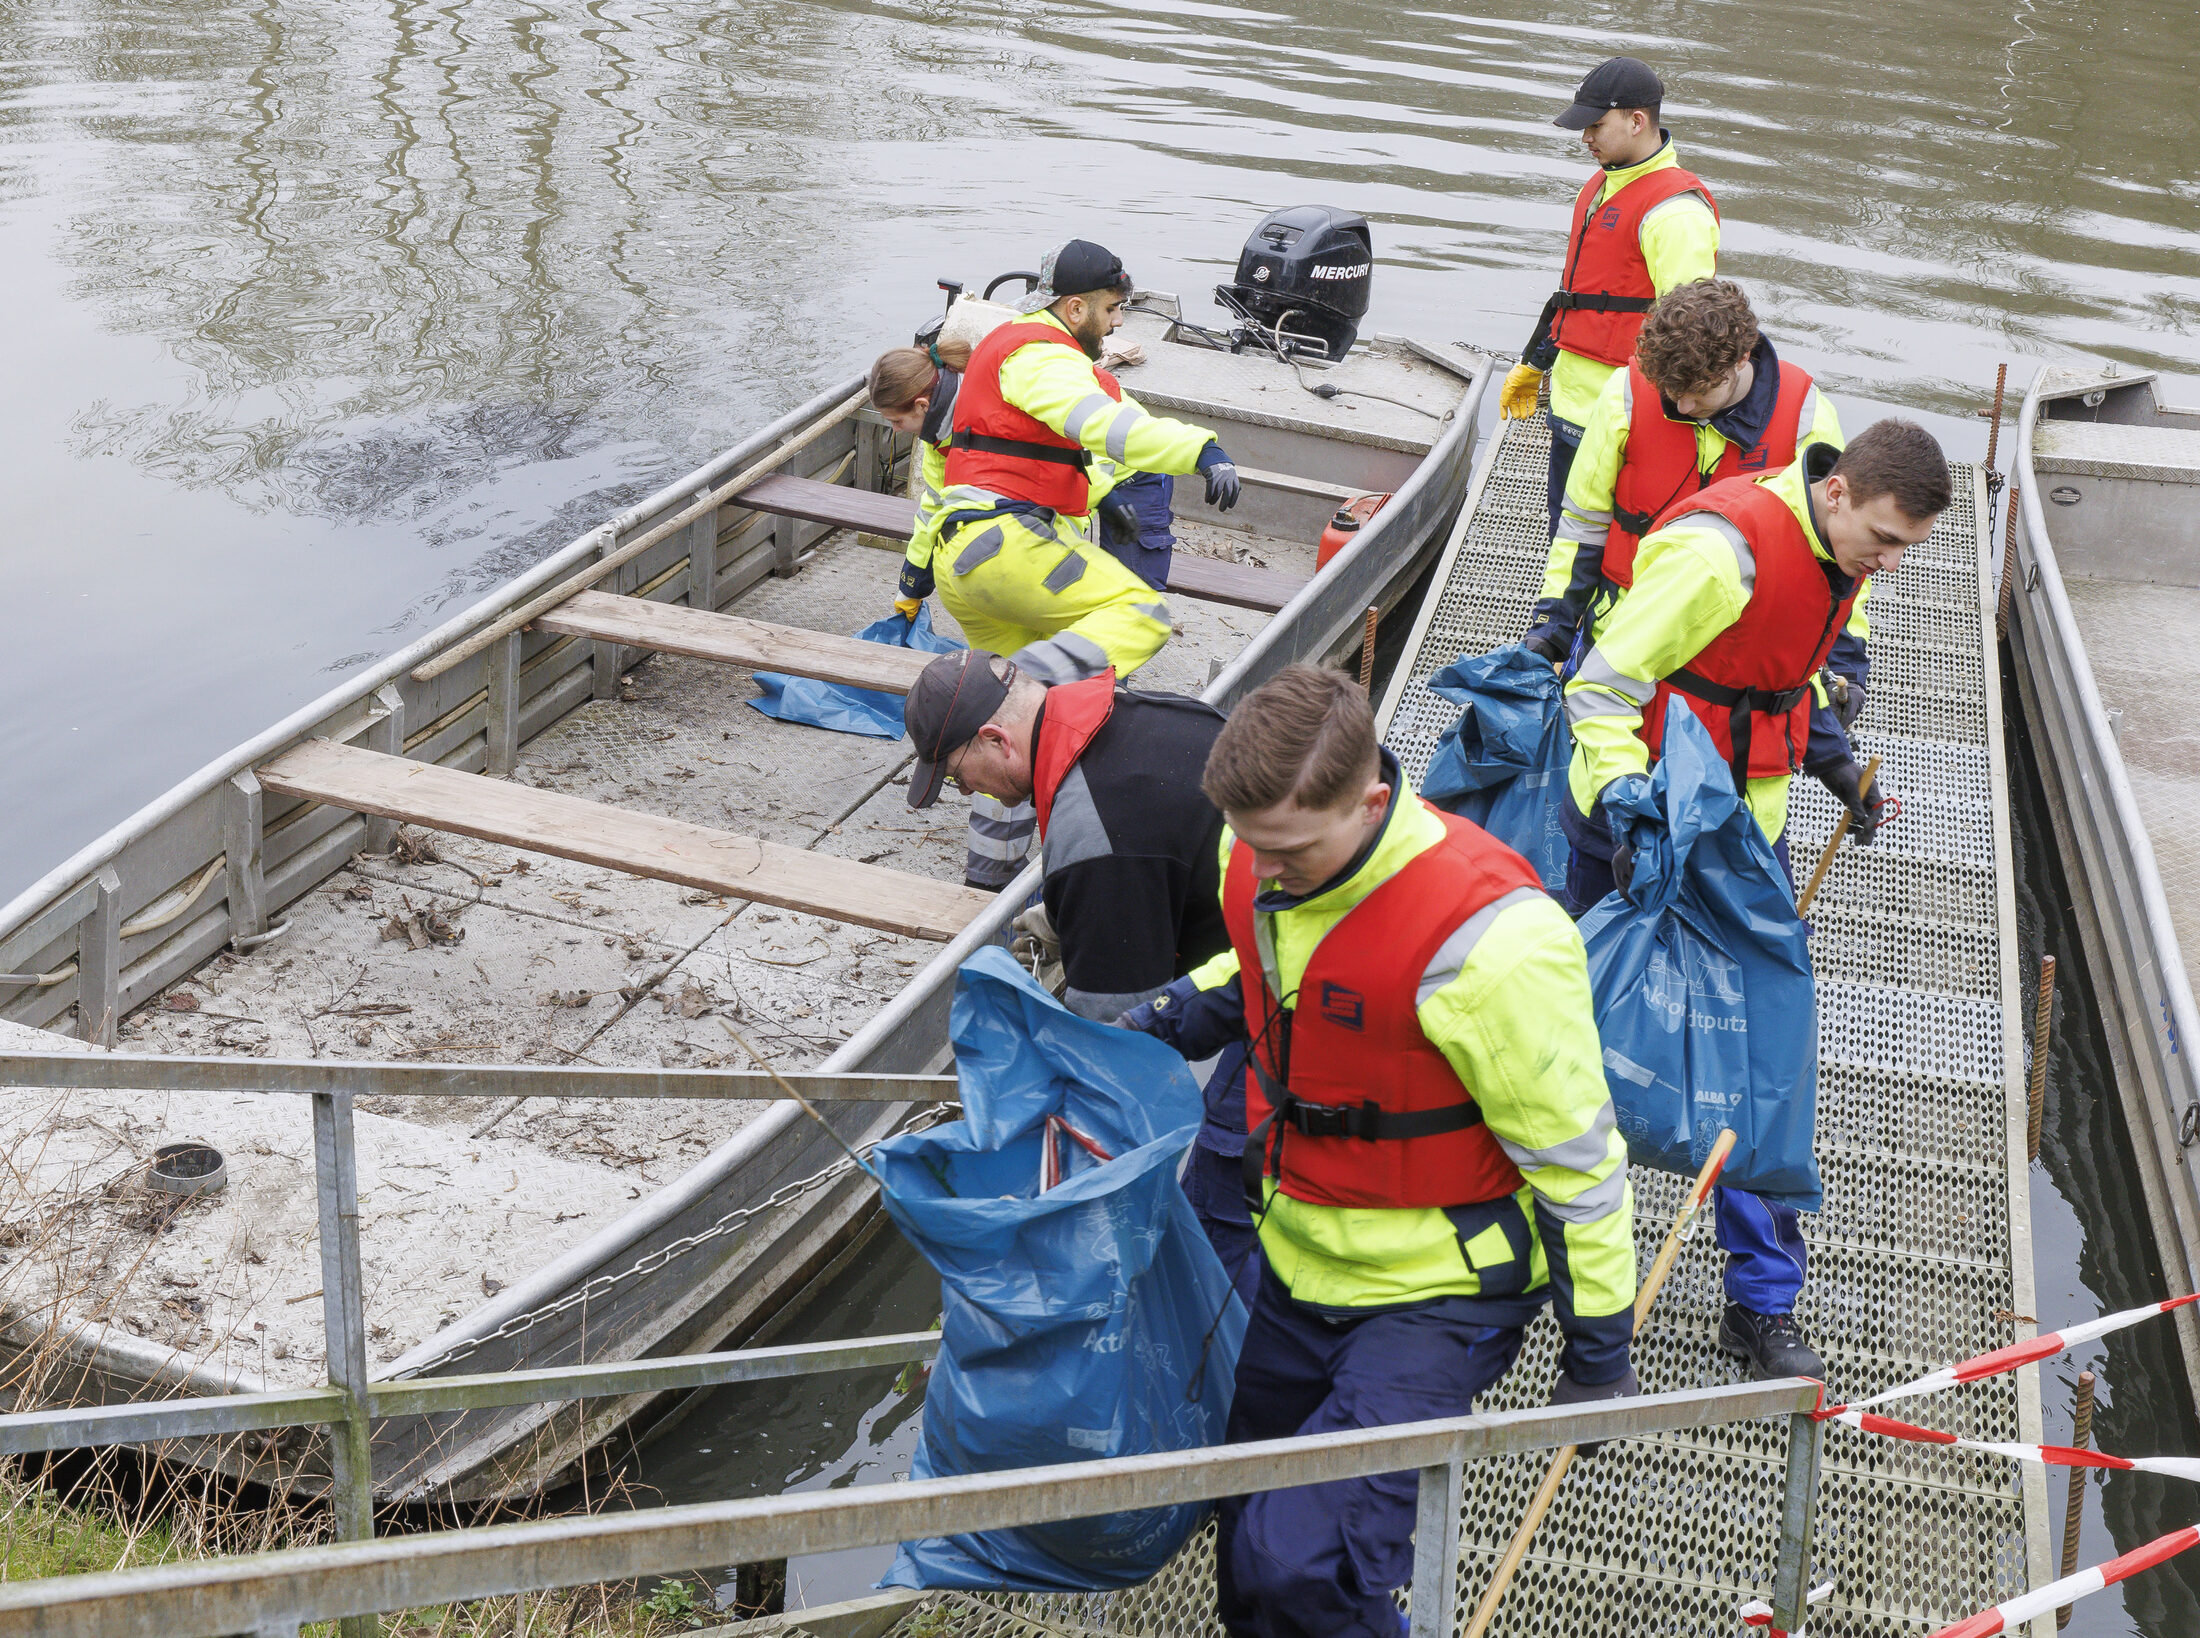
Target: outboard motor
{"x": 1302, "y": 282}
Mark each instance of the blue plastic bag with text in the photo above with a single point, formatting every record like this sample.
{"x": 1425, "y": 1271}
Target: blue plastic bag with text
{"x": 1704, "y": 997}
{"x": 1089, "y": 1319}
{"x": 1503, "y": 763}
{"x": 849, "y": 710}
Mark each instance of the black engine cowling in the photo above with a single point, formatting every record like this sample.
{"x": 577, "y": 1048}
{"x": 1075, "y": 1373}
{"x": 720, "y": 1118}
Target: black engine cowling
{"x": 1304, "y": 276}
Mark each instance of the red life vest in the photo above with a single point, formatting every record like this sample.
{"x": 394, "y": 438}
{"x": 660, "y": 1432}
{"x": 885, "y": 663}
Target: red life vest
{"x": 1661, "y": 461}
{"x": 1751, "y": 684}
{"x": 1074, "y": 713}
{"x": 1000, "y": 448}
{"x": 1347, "y": 1101}
{"x": 1607, "y": 286}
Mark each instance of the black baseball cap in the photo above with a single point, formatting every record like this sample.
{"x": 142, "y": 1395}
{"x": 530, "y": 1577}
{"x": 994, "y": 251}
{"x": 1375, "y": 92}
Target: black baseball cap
{"x": 955, "y": 696}
{"x": 1076, "y": 269}
{"x": 1621, "y": 82}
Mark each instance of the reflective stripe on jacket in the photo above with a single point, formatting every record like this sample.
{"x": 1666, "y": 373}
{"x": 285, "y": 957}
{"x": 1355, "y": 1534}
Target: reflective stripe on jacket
{"x": 1699, "y": 575}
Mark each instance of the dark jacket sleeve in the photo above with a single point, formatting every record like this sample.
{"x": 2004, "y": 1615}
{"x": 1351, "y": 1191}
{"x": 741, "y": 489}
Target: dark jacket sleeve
{"x": 1118, "y": 919}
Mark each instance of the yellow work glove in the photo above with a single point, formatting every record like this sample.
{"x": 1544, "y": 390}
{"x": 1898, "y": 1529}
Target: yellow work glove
{"x": 1516, "y": 398}
{"x": 907, "y": 607}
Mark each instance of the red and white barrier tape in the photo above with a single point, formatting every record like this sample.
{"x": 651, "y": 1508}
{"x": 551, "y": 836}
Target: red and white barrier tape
{"x": 2029, "y": 1606}
{"x": 1981, "y": 1366}
{"x": 1757, "y": 1613}
{"x": 2176, "y": 1467}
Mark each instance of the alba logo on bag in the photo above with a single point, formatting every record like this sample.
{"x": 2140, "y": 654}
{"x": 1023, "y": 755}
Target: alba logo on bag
{"x": 1342, "y": 1006}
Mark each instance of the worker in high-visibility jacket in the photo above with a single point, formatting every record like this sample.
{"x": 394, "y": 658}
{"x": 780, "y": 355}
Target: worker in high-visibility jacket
{"x": 1706, "y": 397}
{"x": 1432, "y": 1154}
{"x": 1014, "y": 560}
{"x": 913, "y": 389}
{"x": 1739, "y": 592}
{"x": 1640, "y": 226}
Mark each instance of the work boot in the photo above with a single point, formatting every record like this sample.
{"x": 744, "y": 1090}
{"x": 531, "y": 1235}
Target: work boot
{"x": 1772, "y": 1343}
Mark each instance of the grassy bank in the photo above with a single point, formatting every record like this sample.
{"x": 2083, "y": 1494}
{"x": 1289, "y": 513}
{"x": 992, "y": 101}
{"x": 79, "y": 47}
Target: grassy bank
{"x": 42, "y": 1535}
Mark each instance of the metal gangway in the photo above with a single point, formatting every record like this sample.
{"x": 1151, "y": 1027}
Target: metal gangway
{"x": 1713, "y": 1491}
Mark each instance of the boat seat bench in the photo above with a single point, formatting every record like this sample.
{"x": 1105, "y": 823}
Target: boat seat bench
{"x": 732, "y": 639}
{"x": 895, "y": 517}
{"x": 641, "y": 844}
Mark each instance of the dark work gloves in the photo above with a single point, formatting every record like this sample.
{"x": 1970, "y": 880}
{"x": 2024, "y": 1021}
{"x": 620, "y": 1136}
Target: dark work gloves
{"x": 1223, "y": 487}
{"x": 1845, "y": 780}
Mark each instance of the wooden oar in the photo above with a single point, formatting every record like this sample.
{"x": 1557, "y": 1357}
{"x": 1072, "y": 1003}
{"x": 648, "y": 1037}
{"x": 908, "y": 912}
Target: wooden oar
{"x": 1563, "y": 1458}
{"x": 1840, "y": 829}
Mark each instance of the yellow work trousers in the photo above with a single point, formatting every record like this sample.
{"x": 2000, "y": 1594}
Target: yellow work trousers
{"x": 1040, "y": 593}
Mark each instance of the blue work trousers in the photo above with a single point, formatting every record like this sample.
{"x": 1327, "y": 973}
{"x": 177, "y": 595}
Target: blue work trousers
{"x": 1215, "y": 1184}
{"x": 1148, "y": 555}
{"x": 1565, "y": 445}
{"x": 1763, "y": 1242}
{"x": 1324, "y": 1560}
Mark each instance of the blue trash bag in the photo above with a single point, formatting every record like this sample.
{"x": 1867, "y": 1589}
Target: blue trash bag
{"x": 853, "y": 710}
{"x": 1704, "y": 997}
{"x": 1503, "y": 763}
{"x": 1088, "y": 1321}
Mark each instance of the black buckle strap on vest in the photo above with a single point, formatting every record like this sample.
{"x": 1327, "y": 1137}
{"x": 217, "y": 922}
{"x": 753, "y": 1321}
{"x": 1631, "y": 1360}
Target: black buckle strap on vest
{"x": 1367, "y": 1120}
{"x": 1742, "y": 707}
{"x": 1372, "y": 1123}
{"x": 986, "y": 443}
{"x": 1635, "y": 523}
{"x": 1583, "y": 301}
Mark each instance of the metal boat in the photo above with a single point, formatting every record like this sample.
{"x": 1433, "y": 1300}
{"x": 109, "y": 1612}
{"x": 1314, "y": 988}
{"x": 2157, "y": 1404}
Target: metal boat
{"x": 234, "y": 916}
{"x": 2104, "y": 576}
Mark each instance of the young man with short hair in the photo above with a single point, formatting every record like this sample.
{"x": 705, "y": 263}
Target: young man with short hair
{"x": 1738, "y": 596}
{"x": 1432, "y": 1155}
{"x": 1641, "y": 225}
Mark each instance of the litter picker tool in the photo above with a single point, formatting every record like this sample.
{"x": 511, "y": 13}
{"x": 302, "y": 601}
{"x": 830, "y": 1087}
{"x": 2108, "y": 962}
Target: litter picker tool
{"x": 808, "y": 1108}
{"x": 1833, "y": 843}
{"x": 1562, "y": 1458}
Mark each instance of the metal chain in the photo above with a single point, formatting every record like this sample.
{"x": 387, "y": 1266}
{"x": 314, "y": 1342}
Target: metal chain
{"x": 650, "y": 1262}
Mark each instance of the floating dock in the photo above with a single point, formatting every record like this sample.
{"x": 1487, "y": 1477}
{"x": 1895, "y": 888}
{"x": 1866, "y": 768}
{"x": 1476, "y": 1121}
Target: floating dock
{"x": 1922, "y": 1254}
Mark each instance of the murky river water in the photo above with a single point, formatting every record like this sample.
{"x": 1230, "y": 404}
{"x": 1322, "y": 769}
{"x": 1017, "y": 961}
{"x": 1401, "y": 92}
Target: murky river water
{"x": 326, "y": 316}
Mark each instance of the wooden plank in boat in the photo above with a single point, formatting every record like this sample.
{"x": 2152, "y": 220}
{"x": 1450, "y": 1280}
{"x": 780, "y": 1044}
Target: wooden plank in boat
{"x": 641, "y": 844}
{"x": 732, "y": 640}
{"x": 833, "y": 503}
{"x": 1234, "y": 583}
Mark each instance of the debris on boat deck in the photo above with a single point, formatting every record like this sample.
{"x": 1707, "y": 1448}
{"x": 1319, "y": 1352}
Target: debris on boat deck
{"x": 449, "y": 948}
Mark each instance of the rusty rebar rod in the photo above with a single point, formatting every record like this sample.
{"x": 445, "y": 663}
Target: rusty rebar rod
{"x": 2008, "y": 568}
{"x": 2043, "y": 1017}
{"x": 2081, "y": 1432}
{"x": 1367, "y": 649}
{"x": 1993, "y": 431}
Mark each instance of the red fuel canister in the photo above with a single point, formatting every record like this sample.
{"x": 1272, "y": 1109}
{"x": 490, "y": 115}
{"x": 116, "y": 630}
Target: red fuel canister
{"x": 1344, "y": 528}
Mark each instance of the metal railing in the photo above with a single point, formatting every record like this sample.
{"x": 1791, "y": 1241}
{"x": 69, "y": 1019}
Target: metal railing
{"x": 274, "y": 1593}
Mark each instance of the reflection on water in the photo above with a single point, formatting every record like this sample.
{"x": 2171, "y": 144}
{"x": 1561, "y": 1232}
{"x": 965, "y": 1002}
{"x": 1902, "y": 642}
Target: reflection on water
{"x": 2095, "y": 1253}
{"x": 332, "y": 314}
{"x": 328, "y": 315}
{"x": 825, "y": 1432}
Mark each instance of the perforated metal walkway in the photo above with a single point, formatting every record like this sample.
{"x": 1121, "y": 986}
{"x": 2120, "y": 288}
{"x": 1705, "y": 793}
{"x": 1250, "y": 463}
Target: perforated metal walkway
{"x": 1922, "y": 1254}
